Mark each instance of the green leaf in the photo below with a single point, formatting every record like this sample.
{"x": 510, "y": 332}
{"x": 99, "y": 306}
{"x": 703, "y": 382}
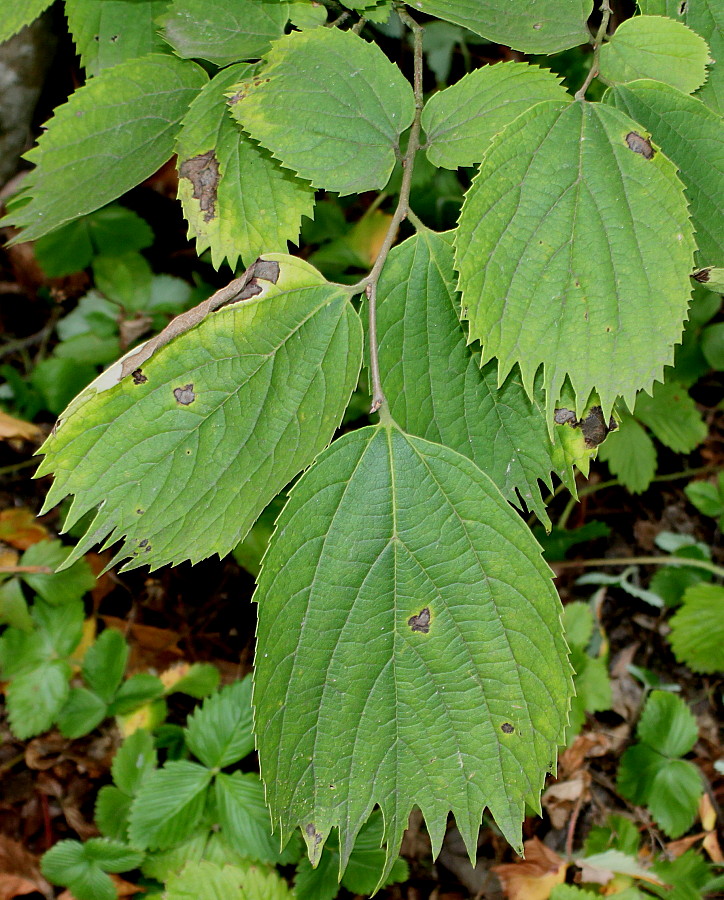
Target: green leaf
{"x": 111, "y": 856}
{"x": 59, "y": 380}
{"x": 133, "y": 108}
{"x": 658, "y": 48}
{"x": 20, "y": 14}
{"x": 58, "y": 587}
{"x": 398, "y": 579}
{"x": 238, "y": 201}
{"x": 35, "y": 698}
{"x": 435, "y": 386}
{"x": 108, "y": 32}
{"x": 697, "y": 629}
{"x": 667, "y": 724}
{"x": 82, "y": 712}
{"x": 136, "y": 691}
{"x": 306, "y": 14}
{"x": 225, "y": 31}
{"x": 125, "y": 280}
{"x": 264, "y": 384}
{"x": 554, "y": 251}
{"x": 578, "y": 623}
{"x": 201, "y": 680}
{"x": 111, "y": 812}
{"x": 329, "y": 106}
{"x": 670, "y": 788}
{"x": 691, "y": 136}
{"x": 559, "y": 541}
{"x": 104, "y": 664}
{"x": 13, "y": 606}
{"x": 672, "y": 416}
{"x": 219, "y": 731}
{"x": 707, "y": 18}
{"x": 169, "y": 805}
{"x": 61, "y": 626}
{"x": 568, "y": 892}
{"x": 712, "y": 345}
{"x": 82, "y": 867}
{"x": 209, "y": 881}
{"x": 134, "y": 761}
{"x": 706, "y": 496}
{"x": 461, "y": 121}
{"x": 533, "y": 26}
{"x": 630, "y": 455}
{"x": 244, "y": 817}
{"x": 670, "y": 582}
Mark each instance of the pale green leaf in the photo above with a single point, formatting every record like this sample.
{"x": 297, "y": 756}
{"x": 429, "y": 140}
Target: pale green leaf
{"x": 578, "y": 623}
{"x": 244, "y": 817}
{"x": 104, "y": 663}
{"x": 569, "y": 892}
{"x": 219, "y": 731}
{"x": 18, "y": 14}
{"x": 168, "y": 805}
{"x": 533, "y": 26}
{"x": 630, "y": 454}
{"x": 672, "y": 416}
{"x": 238, "y": 201}
{"x": 108, "y": 32}
{"x": 14, "y": 607}
{"x": 111, "y": 134}
{"x": 706, "y": 496}
{"x": 264, "y": 384}
{"x": 692, "y": 136}
{"x": 655, "y": 47}
{"x": 307, "y": 13}
{"x": 711, "y": 278}
{"x": 697, "y": 629}
{"x": 329, "y": 106}
{"x": 667, "y": 724}
{"x": 35, "y": 698}
{"x": 111, "y": 812}
{"x": 134, "y": 761}
{"x": 409, "y": 643}
{"x": 82, "y": 712}
{"x": 434, "y": 383}
{"x": 559, "y": 264}
{"x": 111, "y": 856}
{"x": 199, "y": 681}
{"x": 57, "y": 588}
{"x": 224, "y": 31}
{"x": 161, "y": 864}
{"x": 209, "y": 881}
{"x": 461, "y": 121}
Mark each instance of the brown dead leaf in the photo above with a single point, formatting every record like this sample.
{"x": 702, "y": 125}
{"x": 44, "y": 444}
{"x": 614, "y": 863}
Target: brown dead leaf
{"x": 20, "y": 528}
{"x": 16, "y": 429}
{"x": 707, "y": 813}
{"x": 534, "y": 877}
{"x": 8, "y": 557}
{"x": 711, "y": 845}
{"x": 151, "y": 648}
{"x": 19, "y": 871}
{"x": 674, "y": 849}
{"x": 589, "y": 745}
{"x": 560, "y": 798}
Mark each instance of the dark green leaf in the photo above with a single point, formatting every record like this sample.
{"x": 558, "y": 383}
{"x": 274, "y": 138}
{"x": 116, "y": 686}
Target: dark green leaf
{"x": 134, "y": 761}
{"x": 82, "y": 712}
{"x": 111, "y": 812}
{"x": 697, "y": 629}
{"x": 630, "y": 454}
{"x": 104, "y": 664}
{"x": 672, "y": 416}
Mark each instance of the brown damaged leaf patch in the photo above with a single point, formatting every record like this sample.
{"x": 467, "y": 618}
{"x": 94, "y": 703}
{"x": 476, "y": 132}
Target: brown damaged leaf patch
{"x": 640, "y": 144}
{"x": 203, "y": 173}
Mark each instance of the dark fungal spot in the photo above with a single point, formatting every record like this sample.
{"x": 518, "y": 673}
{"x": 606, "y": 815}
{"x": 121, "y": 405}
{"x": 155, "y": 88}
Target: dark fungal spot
{"x": 184, "y": 395}
{"x": 703, "y": 275}
{"x": 507, "y": 728}
{"x": 203, "y": 173}
{"x": 564, "y": 417}
{"x": 143, "y": 543}
{"x": 312, "y": 832}
{"x": 138, "y": 377}
{"x": 640, "y": 144}
{"x": 420, "y": 622}
{"x": 593, "y": 428}
{"x": 139, "y": 511}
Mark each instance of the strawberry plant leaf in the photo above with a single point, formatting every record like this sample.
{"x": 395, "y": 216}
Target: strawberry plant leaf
{"x": 435, "y": 386}
{"x": 111, "y": 812}
{"x": 667, "y": 724}
{"x": 630, "y": 455}
{"x": 19, "y": 14}
{"x": 461, "y": 121}
{"x": 397, "y": 580}
{"x": 57, "y": 588}
{"x": 104, "y": 664}
{"x": 81, "y": 713}
{"x": 672, "y": 416}
{"x": 133, "y": 108}
{"x": 697, "y": 629}
{"x": 245, "y": 818}
{"x": 238, "y": 201}
{"x": 533, "y": 26}
{"x": 219, "y": 732}
{"x": 655, "y": 47}
{"x": 35, "y": 698}
{"x": 206, "y": 880}
{"x": 139, "y": 689}
{"x": 134, "y": 761}
{"x": 224, "y": 415}
{"x": 225, "y": 31}
{"x": 543, "y": 271}
{"x": 82, "y": 867}
{"x": 329, "y": 106}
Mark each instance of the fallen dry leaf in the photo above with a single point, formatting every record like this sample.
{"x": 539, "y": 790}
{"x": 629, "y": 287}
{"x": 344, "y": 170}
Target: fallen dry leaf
{"x": 561, "y": 797}
{"x": 20, "y": 528}
{"x": 19, "y": 871}
{"x": 534, "y": 877}
{"x": 16, "y": 429}
{"x": 711, "y": 845}
{"x": 707, "y": 813}
{"x": 674, "y": 849}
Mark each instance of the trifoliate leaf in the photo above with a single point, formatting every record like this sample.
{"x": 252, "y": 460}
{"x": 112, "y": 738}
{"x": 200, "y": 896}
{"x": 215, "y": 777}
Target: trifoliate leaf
{"x": 108, "y": 32}
{"x": 111, "y": 812}
{"x": 244, "y": 817}
{"x": 57, "y": 587}
{"x": 168, "y": 805}
{"x": 533, "y": 26}
{"x": 697, "y": 629}
{"x": 184, "y": 453}
{"x": 112, "y": 133}
{"x": 670, "y": 788}
{"x": 35, "y": 698}
{"x": 134, "y": 761}
{"x": 461, "y": 121}
{"x": 658, "y": 48}
{"x": 104, "y": 664}
{"x": 329, "y": 106}
{"x": 225, "y": 31}
{"x": 81, "y": 713}
{"x": 82, "y": 867}
{"x": 558, "y": 266}
{"x": 139, "y": 689}
{"x": 691, "y": 135}
{"x": 238, "y": 201}
{"x": 409, "y": 639}
{"x": 20, "y": 14}
{"x": 630, "y": 454}
{"x": 61, "y": 626}
{"x": 435, "y": 386}
{"x": 219, "y": 731}
{"x": 111, "y": 856}
{"x": 672, "y": 416}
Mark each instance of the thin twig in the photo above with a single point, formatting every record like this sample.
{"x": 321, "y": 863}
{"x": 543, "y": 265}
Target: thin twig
{"x": 597, "y": 41}
{"x": 30, "y": 341}
{"x": 642, "y": 561}
{"x": 28, "y": 570}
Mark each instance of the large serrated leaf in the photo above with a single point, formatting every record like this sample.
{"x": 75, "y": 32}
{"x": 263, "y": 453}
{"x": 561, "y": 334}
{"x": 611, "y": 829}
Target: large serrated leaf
{"x": 181, "y": 455}
{"x": 655, "y": 47}
{"x": 692, "y": 136}
{"x": 329, "y": 106}
{"x": 224, "y": 31}
{"x": 533, "y": 26}
{"x": 560, "y": 263}
{"x": 110, "y": 135}
{"x": 409, "y": 648}
{"x": 19, "y": 14}
{"x": 434, "y": 383}
{"x": 461, "y": 121}
{"x": 237, "y": 200}
{"x": 108, "y": 32}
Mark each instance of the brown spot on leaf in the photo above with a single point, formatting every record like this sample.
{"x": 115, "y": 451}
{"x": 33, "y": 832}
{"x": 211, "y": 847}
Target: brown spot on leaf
{"x": 640, "y": 144}
{"x": 565, "y": 417}
{"x": 507, "y": 728}
{"x": 420, "y": 622}
{"x": 139, "y": 511}
{"x": 184, "y": 395}
{"x": 312, "y": 832}
{"x": 703, "y": 275}
{"x": 138, "y": 377}
{"x": 143, "y": 543}
{"x": 593, "y": 427}
{"x": 203, "y": 173}
{"x": 262, "y": 269}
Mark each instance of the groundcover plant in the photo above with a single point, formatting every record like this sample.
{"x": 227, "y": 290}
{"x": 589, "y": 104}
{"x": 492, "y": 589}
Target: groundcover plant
{"x": 410, "y": 649}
